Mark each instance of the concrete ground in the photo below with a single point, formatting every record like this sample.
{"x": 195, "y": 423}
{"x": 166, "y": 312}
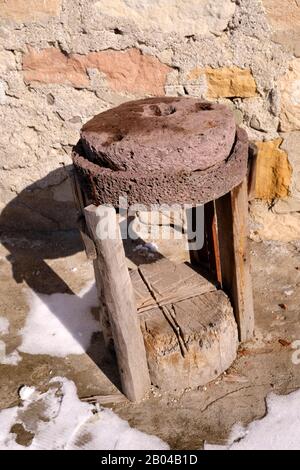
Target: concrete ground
{"x": 184, "y": 420}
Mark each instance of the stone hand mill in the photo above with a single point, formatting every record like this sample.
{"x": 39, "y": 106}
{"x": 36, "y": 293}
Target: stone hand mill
{"x": 171, "y": 325}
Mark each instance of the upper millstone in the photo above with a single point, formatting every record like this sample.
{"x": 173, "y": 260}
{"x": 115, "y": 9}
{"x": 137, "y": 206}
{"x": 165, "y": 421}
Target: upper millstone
{"x": 161, "y": 151}
{"x": 160, "y": 134}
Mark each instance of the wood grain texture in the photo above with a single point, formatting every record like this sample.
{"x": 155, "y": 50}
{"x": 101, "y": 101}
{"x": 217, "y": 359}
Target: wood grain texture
{"x": 80, "y": 203}
{"x": 117, "y": 292}
{"x": 190, "y": 342}
{"x": 232, "y": 220}
{"x": 164, "y": 282}
{"x": 208, "y": 257}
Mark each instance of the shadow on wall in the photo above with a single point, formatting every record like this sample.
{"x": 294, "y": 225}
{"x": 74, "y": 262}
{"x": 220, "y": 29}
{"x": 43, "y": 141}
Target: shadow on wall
{"x": 41, "y": 224}
{"x": 38, "y": 224}
{"x": 44, "y": 206}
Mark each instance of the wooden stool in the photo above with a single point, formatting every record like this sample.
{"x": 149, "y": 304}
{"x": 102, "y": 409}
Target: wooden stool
{"x": 171, "y": 151}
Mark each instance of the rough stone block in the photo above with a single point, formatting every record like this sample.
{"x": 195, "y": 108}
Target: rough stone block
{"x": 291, "y": 144}
{"x": 273, "y": 171}
{"x": 284, "y": 19}
{"x": 267, "y": 225}
{"x": 52, "y": 66}
{"x": 7, "y": 61}
{"x": 29, "y": 10}
{"x": 289, "y": 86}
{"x": 129, "y": 71}
{"x": 226, "y": 82}
{"x": 180, "y": 16}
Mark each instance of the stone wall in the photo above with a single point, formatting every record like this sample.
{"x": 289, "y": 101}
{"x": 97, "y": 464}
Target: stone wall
{"x": 62, "y": 61}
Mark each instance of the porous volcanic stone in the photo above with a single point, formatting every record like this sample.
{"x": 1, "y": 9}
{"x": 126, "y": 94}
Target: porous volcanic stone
{"x": 142, "y": 150}
{"x": 159, "y": 134}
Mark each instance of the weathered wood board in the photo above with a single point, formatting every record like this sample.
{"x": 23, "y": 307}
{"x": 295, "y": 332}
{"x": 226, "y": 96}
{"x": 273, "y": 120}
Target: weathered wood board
{"x": 116, "y": 294}
{"x": 163, "y": 282}
{"x": 232, "y": 219}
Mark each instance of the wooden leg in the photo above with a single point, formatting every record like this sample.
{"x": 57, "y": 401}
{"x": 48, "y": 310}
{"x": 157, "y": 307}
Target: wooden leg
{"x": 103, "y": 310}
{"x": 232, "y": 215}
{"x": 91, "y": 253}
{"x": 116, "y": 288}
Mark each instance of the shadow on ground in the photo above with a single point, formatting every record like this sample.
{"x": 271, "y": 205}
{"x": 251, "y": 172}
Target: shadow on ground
{"x": 36, "y": 227}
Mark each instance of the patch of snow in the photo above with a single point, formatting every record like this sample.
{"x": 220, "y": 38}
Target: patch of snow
{"x": 278, "y": 430}
{"x": 138, "y": 247}
{"x": 11, "y": 359}
{"x": 26, "y": 392}
{"x": 59, "y": 324}
{"x": 8, "y": 418}
{"x": 57, "y": 419}
{"x": 147, "y": 249}
{"x": 4, "y": 326}
{"x": 106, "y": 431}
{"x": 151, "y": 247}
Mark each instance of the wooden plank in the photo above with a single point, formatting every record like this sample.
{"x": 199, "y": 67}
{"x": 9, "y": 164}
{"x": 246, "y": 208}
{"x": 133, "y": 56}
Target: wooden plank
{"x": 104, "y": 320}
{"x": 163, "y": 282}
{"x": 89, "y": 245}
{"x": 105, "y": 399}
{"x": 119, "y": 299}
{"x": 144, "y": 299}
{"x": 208, "y": 257}
{"x": 80, "y": 203}
{"x": 210, "y": 252}
{"x": 252, "y": 169}
{"x": 232, "y": 221}
{"x": 197, "y": 257}
{"x": 212, "y": 241}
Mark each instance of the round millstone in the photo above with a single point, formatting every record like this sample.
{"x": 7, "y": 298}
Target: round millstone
{"x": 160, "y": 134}
{"x": 161, "y": 150}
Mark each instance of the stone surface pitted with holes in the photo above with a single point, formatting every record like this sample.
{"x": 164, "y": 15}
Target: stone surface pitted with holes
{"x": 161, "y": 150}
{"x": 160, "y": 134}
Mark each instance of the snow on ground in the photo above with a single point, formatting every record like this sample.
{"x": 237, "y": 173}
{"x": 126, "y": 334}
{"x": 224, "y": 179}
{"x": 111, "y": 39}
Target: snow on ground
{"x": 4, "y": 326}
{"x": 11, "y": 359}
{"x": 59, "y": 324}
{"x": 278, "y": 430}
{"x": 57, "y": 419}
{"x": 62, "y": 324}
{"x": 14, "y": 357}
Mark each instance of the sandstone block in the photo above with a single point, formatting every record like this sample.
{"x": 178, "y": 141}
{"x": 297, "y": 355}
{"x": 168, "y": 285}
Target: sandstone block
{"x": 226, "y": 82}
{"x": 284, "y": 19}
{"x": 52, "y": 66}
{"x": 289, "y": 86}
{"x": 129, "y": 71}
{"x": 29, "y": 10}
{"x": 273, "y": 171}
